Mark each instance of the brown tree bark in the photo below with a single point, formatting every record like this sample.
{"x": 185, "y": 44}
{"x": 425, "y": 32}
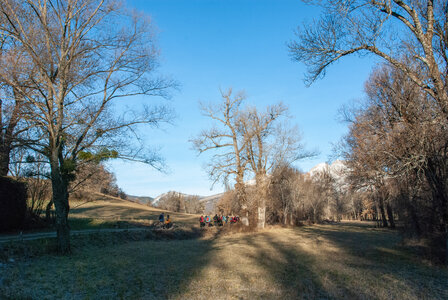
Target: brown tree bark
{"x": 383, "y": 213}
{"x": 439, "y": 214}
{"x": 61, "y": 204}
{"x": 4, "y": 160}
{"x": 390, "y": 216}
{"x": 8, "y": 135}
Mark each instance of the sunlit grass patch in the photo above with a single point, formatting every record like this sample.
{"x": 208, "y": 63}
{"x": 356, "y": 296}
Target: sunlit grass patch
{"x": 112, "y": 212}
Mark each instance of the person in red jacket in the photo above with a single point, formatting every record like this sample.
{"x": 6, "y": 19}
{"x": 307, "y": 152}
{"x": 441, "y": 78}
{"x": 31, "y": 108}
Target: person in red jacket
{"x": 208, "y": 221}
{"x": 202, "y": 221}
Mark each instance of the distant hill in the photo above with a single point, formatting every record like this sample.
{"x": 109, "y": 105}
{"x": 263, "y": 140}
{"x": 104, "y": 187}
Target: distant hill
{"x": 141, "y": 199}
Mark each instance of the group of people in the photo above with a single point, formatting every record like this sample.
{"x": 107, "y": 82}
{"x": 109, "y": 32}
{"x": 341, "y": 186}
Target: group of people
{"x": 217, "y": 220}
{"x": 165, "y": 222}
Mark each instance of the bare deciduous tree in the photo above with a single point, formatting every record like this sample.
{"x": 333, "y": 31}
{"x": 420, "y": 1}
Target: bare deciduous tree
{"x": 84, "y": 55}
{"x": 285, "y": 195}
{"x": 391, "y": 30}
{"x": 225, "y": 137}
{"x": 269, "y": 143}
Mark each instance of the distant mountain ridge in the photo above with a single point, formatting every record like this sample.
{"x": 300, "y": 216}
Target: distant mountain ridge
{"x": 141, "y": 199}
{"x": 170, "y": 194}
{"x": 338, "y": 170}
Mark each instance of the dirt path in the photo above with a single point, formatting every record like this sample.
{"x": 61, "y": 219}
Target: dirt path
{"x": 45, "y": 235}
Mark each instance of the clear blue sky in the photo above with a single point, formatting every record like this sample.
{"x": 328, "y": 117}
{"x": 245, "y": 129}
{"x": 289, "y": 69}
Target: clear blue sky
{"x": 212, "y": 44}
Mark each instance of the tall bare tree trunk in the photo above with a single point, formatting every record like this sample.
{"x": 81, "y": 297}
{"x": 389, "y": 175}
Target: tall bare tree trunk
{"x": 4, "y": 160}
{"x": 382, "y": 212}
{"x": 8, "y": 134}
{"x": 241, "y": 196}
{"x": 438, "y": 235}
{"x": 262, "y": 190}
{"x": 439, "y": 213}
{"x": 60, "y": 200}
{"x": 390, "y": 215}
{"x": 262, "y": 213}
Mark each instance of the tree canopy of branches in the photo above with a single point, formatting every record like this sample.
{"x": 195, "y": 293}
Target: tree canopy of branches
{"x": 392, "y": 30}
{"x": 247, "y": 141}
{"x": 79, "y": 57}
{"x": 13, "y": 127}
{"x": 229, "y": 160}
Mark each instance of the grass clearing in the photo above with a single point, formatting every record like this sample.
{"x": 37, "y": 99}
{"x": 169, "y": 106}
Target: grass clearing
{"x": 112, "y": 212}
{"x": 345, "y": 261}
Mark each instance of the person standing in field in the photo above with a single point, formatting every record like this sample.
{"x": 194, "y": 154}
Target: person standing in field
{"x": 162, "y": 218}
{"x": 207, "y": 221}
{"x": 168, "y": 223}
{"x": 202, "y": 221}
{"x": 215, "y": 220}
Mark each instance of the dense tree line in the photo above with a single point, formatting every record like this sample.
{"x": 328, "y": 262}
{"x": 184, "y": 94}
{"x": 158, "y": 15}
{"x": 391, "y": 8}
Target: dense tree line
{"x": 178, "y": 202}
{"x": 294, "y": 197}
{"x": 398, "y": 146}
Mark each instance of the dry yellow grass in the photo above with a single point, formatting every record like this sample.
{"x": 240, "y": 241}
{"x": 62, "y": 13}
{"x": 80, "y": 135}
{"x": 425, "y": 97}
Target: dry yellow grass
{"x": 108, "y": 210}
{"x": 346, "y": 261}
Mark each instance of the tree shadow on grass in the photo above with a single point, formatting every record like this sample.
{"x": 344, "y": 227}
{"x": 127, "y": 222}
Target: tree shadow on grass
{"x": 158, "y": 268}
{"x": 289, "y": 268}
{"x": 339, "y": 262}
{"x": 318, "y": 262}
{"x": 293, "y": 271}
{"x": 397, "y": 271}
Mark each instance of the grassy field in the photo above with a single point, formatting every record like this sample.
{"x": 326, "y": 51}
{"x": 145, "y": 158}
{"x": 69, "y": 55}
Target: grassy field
{"x": 111, "y": 212}
{"x": 344, "y": 261}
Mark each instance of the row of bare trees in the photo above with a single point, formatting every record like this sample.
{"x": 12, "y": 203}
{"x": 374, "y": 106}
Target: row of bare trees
{"x": 293, "y": 197}
{"x": 63, "y": 65}
{"x": 247, "y": 142}
{"x": 398, "y": 146}
{"x": 398, "y": 142}
{"x": 178, "y": 202}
